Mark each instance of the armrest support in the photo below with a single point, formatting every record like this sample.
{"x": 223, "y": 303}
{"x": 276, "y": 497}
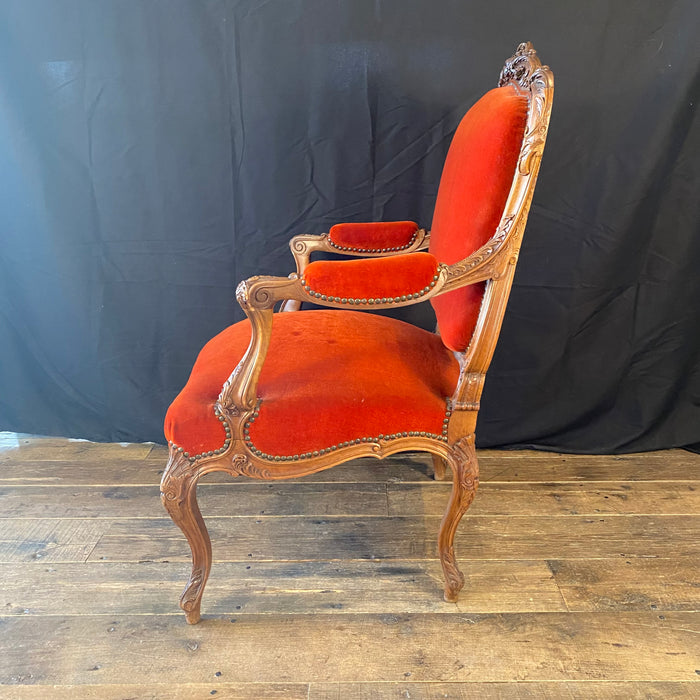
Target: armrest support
{"x": 396, "y": 241}
{"x": 380, "y": 284}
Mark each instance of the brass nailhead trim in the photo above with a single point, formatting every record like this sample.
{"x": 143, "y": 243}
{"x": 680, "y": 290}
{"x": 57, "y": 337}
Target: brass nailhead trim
{"x": 366, "y": 300}
{"x": 210, "y": 453}
{"x": 307, "y": 455}
{"x": 356, "y": 441}
{"x": 352, "y": 249}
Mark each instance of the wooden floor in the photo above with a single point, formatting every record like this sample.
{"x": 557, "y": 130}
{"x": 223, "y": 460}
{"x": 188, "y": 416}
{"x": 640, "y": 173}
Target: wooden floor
{"x": 582, "y": 580}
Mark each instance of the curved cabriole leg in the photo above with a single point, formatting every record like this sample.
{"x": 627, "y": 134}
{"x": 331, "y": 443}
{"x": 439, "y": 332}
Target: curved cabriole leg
{"x": 465, "y": 480}
{"x": 178, "y": 491}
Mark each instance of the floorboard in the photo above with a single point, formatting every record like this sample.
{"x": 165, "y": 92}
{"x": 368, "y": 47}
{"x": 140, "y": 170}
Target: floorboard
{"x": 335, "y": 587}
{"x": 542, "y": 690}
{"x": 345, "y": 537}
{"x": 345, "y": 498}
{"x": 581, "y": 580}
{"x": 351, "y": 648}
{"x": 537, "y": 690}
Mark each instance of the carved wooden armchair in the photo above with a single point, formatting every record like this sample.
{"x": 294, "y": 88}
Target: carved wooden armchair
{"x": 294, "y": 392}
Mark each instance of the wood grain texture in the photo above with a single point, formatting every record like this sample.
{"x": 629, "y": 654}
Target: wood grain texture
{"x": 352, "y": 626}
{"x": 81, "y": 471}
{"x": 671, "y": 465}
{"x": 542, "y": 690}
{"x": 49, "y": 449}
{"x": 660, "y": 462}
{"x": 232, "y": 499}
{"x": 586, "y": 498}
{"x": 350, "y": 648}
{"x": 301, "y": 497}
{"x": 338, "y": 537}
{"x": 49, "y": 540}
{"x": 502, "y": 466}
{"x": 217, "y": 689}
{"x": 293, "y": 588}
{"x": 629, "y": 584}
{"x": 149, "y": 472}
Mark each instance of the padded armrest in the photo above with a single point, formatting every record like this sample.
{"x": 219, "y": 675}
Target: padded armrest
{"x": 377, "y": 237}
{"x": 372, "y": 280}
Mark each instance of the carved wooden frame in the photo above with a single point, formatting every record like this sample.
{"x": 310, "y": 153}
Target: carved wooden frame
{"x": 493, "y": 263}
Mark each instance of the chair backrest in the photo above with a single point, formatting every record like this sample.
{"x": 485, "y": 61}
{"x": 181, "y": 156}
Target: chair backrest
{"x": 474, "y": 188}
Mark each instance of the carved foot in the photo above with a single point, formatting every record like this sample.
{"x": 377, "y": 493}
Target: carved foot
{"x": 191, "y": 598}
{"x": 454, "y": 578}
{"x": 465, "y": 480}
{"x": 179, "y": 495}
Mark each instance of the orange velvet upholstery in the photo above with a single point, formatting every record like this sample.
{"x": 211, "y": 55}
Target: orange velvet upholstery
{"x": 334, "y": 377}
{"x": 475, "y": 184}
{"x": 330, "y": 377}
{"x": 372, "y": 280}
{"x": 380, "y": 236}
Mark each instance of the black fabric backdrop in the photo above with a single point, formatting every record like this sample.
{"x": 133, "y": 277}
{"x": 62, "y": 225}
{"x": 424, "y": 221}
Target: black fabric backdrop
{"x": 156, "y": 153}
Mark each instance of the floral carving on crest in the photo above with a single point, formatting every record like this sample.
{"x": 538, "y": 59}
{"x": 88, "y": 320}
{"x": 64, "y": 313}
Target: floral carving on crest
{"x": 520, "y": 67}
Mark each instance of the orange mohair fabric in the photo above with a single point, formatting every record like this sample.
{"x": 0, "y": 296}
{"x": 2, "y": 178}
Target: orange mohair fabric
{"x": 474, "y": 187}
{"x": 329, "y": 377}
{"x": 376, "y": 236}
{"x": 372, "y": 277}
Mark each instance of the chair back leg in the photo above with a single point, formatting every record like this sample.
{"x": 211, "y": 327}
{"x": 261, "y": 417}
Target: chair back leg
{"x": 440, "y": 468}
{"x": 465, "y": 480}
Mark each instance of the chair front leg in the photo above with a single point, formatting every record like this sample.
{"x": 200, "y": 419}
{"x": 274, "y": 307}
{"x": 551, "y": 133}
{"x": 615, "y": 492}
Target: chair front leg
{"x": 178, "y": 491}
{"x": 465, "y": 481}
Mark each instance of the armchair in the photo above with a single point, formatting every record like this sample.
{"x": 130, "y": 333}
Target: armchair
{"x": 289, "y": 393}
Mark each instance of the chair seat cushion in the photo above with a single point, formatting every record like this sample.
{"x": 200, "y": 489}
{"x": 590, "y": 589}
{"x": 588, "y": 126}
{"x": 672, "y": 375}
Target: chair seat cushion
{"x": 329, "y": 377}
